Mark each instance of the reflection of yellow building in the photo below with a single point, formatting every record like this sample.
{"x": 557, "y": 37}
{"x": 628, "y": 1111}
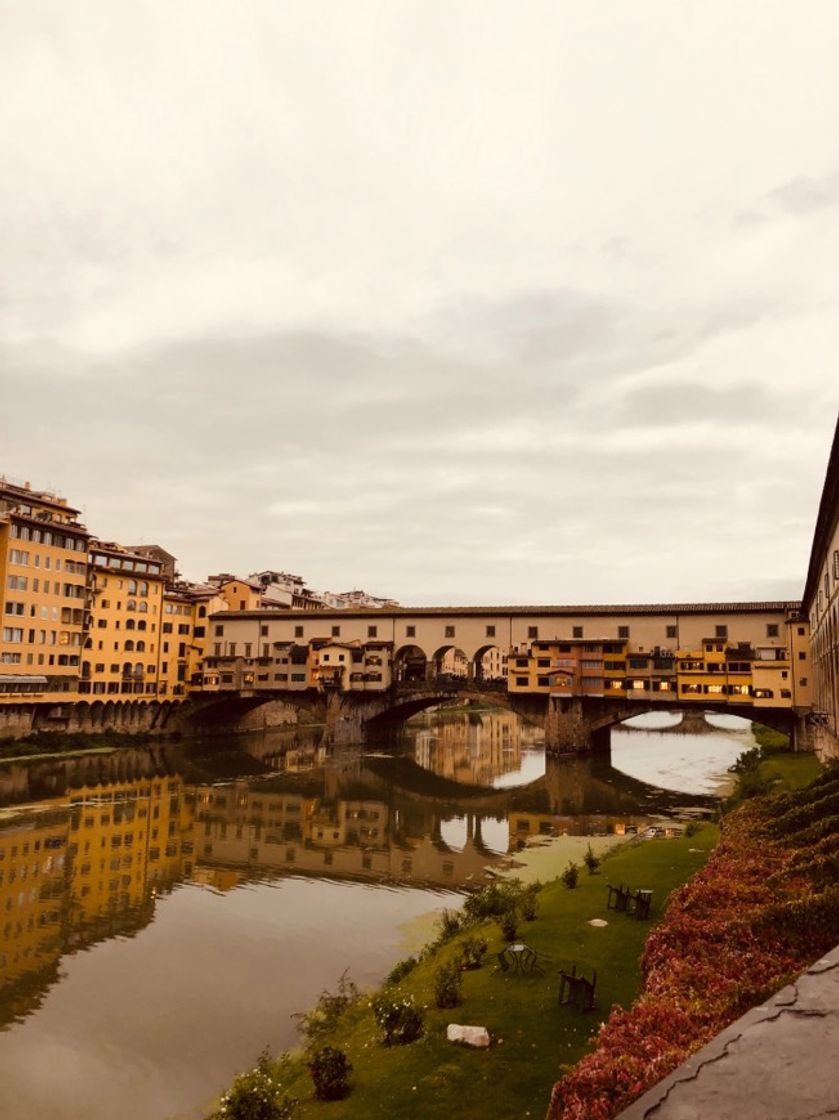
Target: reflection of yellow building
{"x": 474, "y": 751}
{"x": 33, "y": 892}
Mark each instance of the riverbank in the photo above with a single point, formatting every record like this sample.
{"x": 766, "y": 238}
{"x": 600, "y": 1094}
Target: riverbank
{"x": 63, "y": 744}
{"x": 532, "y": 1036}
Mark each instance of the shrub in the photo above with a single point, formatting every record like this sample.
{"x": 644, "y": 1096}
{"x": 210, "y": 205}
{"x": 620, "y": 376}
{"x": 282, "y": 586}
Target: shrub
{"x": 401, "y": 969}
{"x": 529, "y": 906}
{"x": 570, "y": 875}
{"x": 493, "y": 900}
{"x": 447, "y": 983}
{"x": 324, "y": 1016}
{"x": 508, "y": 925}
{"x": 591, "y": 861}
{"x": 400, "y": 1020}
{"x": 257, "y": 1095}
{"x": 330, "y": 1072}
{"x": 472, "y": 951}
{"x": 448, "y": 925}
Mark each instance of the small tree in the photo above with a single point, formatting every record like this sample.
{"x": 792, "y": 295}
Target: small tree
{"x": 570, "y": 875}
{"x": 529, "y": 906}
{"x": 400, "y": 1020}
{"x": 591, "y": 861}
{"x": 330, "y": 1070}
{"x": 508, "y": 924}
{"x": 472, "y": 951}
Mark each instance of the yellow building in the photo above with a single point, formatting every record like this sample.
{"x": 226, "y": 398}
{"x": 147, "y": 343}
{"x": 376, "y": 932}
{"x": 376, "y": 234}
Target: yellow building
{"x": 43, "y": 577}
{"x": 123, "y": 650}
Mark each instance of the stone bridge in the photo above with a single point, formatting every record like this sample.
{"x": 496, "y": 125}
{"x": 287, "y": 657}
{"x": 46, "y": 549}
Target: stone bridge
{"x": 571, "y": 725}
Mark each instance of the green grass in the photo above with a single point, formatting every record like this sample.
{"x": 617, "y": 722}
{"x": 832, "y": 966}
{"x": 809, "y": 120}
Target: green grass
{"x": 532, "y": 1036}
{"x": 787, "y": 771}
{"x": 49, "y": 743}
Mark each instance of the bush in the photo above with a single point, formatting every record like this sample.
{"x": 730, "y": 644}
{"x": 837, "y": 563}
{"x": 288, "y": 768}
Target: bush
{"x": 401, "y": 969}
{"x": 447, "y": 983}
{"x": 508, "y": 925}
{"x": 257, "y": 1095}
{"x": 330, "y": 1072}
{"x": 570, "y": 875}
{"x": 472, "y": 951}
{"x": 493, "y": 900}
{"x": 448, "y": 925}
{"x": 529, "y": 907}
{"x": 324, "y": 1016}
{"x": 400, "y": 1020}
{"x": 591, "y": 861}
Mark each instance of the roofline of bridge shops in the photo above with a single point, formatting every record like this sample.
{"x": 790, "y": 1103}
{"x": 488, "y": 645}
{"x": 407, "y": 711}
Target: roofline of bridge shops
{"x": 825, "y": 522}
{"x": 791, "y": 607}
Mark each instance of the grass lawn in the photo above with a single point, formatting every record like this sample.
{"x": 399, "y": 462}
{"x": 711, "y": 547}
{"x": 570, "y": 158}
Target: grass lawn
{"x": 790, "y": 771}
{"x": 532, "y": 1036}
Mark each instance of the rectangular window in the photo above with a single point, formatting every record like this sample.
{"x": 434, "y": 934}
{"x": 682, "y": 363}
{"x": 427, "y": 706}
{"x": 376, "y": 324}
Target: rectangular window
{"x": 490, "y": 631}
{"x": 522, "y": 682}
{"x": 410, "y": 631}
{"x": 218, "y": 630}
{"x": 298, "y": 631}
{"x": 721, "y": 631}
{"x": 672, "y": 631}
{"x": 336, "y": 631}
{"x": 543, "y": 682}
{"x": 576, "y": 631}
{"x": 372, "y": 631}
{"x": 449, "y": 632}
{"x": 263, "y": 631}
{"x": 771, "y": 629}
{"x": 533, "y": 631}
{"x": 623, "y": 631}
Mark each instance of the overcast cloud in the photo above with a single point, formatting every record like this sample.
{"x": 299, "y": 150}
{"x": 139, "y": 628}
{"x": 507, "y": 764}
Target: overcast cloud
{"x": 460, "y": 302}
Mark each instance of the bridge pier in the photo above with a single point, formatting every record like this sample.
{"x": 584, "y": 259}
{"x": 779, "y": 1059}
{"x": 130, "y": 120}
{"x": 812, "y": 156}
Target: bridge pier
{"x": 569, "y": 728}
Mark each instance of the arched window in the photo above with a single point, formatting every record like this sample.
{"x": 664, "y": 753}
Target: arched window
{"x": 129, "y": 646}
{"x": 202, "y": 612}
{"x": 141, "y": 647}
{"x": 132, "y": 587}
{"x": 144, "y": 587}
{"x": 129, "y": 624}
{"x": 143, "y": 608}
{"x": 131, "y": 605}
{"x": 141, "y": 625}
{"x": 138, "y": 669}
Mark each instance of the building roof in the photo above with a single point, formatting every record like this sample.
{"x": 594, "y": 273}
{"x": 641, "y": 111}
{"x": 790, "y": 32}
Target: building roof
{"x": 825, "y": 524}
{"x": 569, "y": 611}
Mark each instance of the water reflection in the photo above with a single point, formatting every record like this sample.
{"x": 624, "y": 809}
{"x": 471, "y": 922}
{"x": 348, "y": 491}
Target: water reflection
{"x": 284, "y": 835}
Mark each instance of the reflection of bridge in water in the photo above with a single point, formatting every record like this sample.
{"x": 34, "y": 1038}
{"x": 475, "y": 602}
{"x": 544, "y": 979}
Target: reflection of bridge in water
{"x": 691, "y": 723}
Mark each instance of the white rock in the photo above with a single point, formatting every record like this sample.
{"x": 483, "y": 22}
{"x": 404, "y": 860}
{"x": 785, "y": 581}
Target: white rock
{"x": 599, "y": 922}
{"x": 469, "y": 1036}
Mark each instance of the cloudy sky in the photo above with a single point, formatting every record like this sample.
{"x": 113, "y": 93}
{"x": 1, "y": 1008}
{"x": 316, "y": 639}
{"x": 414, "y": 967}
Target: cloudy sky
{"x": 460, "y": 301}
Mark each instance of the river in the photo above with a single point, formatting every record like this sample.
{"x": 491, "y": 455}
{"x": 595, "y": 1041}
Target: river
{"x": 164, "y": 912}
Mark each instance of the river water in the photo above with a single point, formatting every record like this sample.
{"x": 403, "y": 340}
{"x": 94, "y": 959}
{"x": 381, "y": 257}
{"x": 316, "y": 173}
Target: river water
{"x": 164, "y": 912}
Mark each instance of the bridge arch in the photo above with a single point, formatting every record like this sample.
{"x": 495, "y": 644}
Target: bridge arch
{"x": 450, "y": 660}
{"x": 410, "y": 663}
{"x": 488, "y": 663}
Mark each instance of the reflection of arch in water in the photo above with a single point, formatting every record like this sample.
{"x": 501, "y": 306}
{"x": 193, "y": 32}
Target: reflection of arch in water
{"x": 410, "y": 664}
{"x": 450, "y": 661}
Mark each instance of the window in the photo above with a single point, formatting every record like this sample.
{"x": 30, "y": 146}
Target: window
{"x": 522, "y": 682}
{"x": 410, "y": 631}
{"x": 772, "y": 630}
{"x": 449, "y": 632}
{"x": 336, "y": 631}
{"x": 803, "y": 682}
{"x": 543, "y": 682}
{"x": 836, "y": 563}
{"x": 533, "y": 631}
{"x": 623, "y": 631}
{"x": 372, "y": 631}
{"x": 263, "y": 631}
{"x": 721, "y": 631}
{"x": 217, "y": 630}
{"x": 802, "y": 656}
{"x": 576, "y": 632}
{"x": 490, "y": 631}
{"x": 298, "y": 631}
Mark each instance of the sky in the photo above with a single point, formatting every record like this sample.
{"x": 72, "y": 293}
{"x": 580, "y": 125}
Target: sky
{"x": 458, "y": 301}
